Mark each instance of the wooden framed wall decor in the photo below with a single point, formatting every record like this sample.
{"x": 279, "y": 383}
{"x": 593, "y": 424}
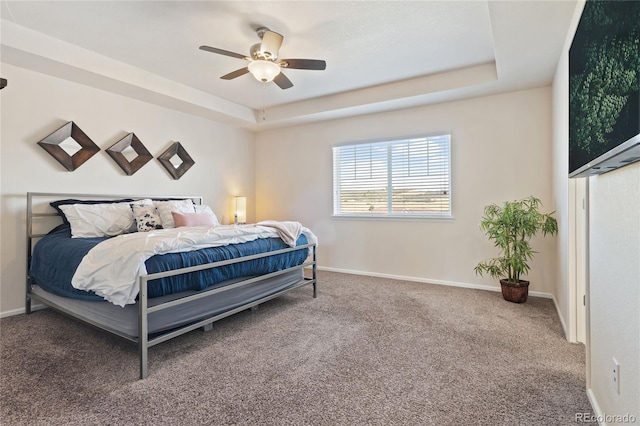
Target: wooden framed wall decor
{"x": 70, "y": 146}
{"x": 130, "y": 154}
{"x": 176, "y": 160}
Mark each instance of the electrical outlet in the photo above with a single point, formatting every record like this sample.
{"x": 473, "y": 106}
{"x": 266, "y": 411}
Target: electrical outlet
{"x": 615, "y": 375}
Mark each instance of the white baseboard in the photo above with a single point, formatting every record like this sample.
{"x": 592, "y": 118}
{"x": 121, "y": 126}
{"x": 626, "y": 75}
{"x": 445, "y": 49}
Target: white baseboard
{"x": 428, "y": 281}
{"x": 20, "y": 311}
{"x": 562, "y": 323}
{"x": 600, "y": 417}
{"x": 379, "y": 275}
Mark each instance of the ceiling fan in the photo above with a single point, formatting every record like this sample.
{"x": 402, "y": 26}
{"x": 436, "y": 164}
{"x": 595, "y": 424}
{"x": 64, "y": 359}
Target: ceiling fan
{"x": 264, "y": 64}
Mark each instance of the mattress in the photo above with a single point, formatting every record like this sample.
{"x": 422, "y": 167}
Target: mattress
{"x": 56, "y": 257}
{"x": 124, "y": 321}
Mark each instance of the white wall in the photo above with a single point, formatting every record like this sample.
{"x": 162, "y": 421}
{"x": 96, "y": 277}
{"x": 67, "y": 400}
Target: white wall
{"x": 34, "y": 105}
{"x": 564, "y": 193}
{"x": 501, "y": 150}
{"x": 614, "y": 289}
{"x": 562, "y": 290}
{"x": 613, "y": 263}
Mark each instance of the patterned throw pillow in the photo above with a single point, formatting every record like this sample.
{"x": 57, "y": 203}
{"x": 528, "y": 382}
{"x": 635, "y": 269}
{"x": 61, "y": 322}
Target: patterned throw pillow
{"x": 147, "y": 217}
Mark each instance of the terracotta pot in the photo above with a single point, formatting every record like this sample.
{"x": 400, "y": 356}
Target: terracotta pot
{"x": 515, "y": 292}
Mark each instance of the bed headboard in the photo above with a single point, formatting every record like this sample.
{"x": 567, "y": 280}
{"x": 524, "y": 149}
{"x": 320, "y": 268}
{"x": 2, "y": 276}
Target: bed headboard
{"x": 42, "y": 218}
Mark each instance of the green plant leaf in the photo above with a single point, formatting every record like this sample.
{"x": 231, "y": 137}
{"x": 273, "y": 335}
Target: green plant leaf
{"x": 511, "y": 227}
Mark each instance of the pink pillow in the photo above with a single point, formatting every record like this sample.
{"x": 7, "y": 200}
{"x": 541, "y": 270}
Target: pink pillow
{"x": 192, "y": 219}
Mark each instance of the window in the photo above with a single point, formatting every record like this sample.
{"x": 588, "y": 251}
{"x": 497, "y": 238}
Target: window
{"x": 401, "y": 178}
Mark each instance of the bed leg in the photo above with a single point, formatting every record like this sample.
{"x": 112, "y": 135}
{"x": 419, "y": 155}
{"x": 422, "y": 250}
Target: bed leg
{"x": 254, "y": 308}
{"x": 27, "y": 300}
{"x": 315, "y": 275}
{"x": 143, "y": 359}
{"x": 207, "y": 327}
{"x": 143, "y": 331}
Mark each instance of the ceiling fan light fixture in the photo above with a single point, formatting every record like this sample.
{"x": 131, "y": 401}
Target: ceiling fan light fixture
{"x": 264, "y": 71}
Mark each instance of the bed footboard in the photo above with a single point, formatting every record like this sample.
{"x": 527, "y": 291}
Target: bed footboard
{"x": 144, "y": 342}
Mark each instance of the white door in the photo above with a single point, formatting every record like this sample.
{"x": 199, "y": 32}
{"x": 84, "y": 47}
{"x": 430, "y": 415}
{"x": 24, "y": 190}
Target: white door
{"x": 581, "y": 264}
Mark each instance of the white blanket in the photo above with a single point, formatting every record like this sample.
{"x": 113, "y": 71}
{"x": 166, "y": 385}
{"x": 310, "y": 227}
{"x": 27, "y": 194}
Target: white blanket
{"x": 111, "y": 268}
{"x": 288, "y": 231}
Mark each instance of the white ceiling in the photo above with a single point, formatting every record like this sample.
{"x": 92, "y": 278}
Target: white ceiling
{"x": 380, "y": 55}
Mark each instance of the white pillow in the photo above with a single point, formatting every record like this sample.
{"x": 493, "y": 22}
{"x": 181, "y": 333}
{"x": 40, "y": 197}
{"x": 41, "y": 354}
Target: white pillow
{"x": 166, "y": 207}
{"x": 99, "y": 220}
{"x": 144, "y": 202}
{"x": 207, "y": 210}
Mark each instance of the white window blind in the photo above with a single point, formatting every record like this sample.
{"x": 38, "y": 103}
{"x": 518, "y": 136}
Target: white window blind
{"x": 409, "y": 177}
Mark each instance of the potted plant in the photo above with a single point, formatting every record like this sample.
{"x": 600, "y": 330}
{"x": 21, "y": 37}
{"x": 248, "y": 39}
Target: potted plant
{"x": 510, "y": 227}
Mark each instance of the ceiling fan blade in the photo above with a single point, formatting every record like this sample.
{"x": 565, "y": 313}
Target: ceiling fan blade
{"x": 222, "y": 52}
{"x": 303, "y": 64}
{"x": 282, "y": 81}
{"x": 271, "y": 42}
{"x": 236, "y": 73}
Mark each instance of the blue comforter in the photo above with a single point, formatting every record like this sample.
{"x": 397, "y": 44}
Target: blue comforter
{"x": 56, "y": 257}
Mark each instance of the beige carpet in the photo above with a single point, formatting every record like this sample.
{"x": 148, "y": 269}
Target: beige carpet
{"x": 366, "y": 351}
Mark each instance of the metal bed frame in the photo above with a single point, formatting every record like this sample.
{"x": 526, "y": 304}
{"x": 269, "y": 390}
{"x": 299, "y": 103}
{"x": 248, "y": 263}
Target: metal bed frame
{"x": 144, "y": 341}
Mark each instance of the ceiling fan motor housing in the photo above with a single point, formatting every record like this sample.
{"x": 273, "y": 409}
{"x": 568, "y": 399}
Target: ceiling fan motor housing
{"x": 258, "y": 54}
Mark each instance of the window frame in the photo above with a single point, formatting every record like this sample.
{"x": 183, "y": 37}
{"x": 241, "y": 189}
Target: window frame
{"x": 444, "y": 216}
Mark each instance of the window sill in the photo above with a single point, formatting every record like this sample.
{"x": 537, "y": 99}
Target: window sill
{"x": 435, "y": 218}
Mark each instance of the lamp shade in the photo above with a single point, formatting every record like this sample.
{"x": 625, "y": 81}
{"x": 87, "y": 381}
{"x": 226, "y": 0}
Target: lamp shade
{"x": 240, "y": 213}
{"x": 264, "y": 71}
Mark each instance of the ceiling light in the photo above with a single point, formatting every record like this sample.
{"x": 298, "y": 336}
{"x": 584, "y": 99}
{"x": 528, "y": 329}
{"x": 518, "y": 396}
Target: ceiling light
{"x": 264, "y": 71}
